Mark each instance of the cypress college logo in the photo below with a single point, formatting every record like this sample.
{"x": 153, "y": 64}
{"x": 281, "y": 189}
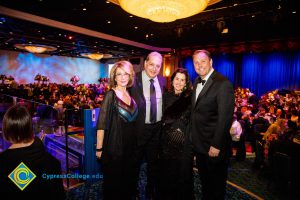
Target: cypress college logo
{"x": 22, "y": 176}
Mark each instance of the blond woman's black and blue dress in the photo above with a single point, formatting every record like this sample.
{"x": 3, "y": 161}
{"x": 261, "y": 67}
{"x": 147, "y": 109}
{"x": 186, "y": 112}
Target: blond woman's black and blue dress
{"x": 117, "y": 119}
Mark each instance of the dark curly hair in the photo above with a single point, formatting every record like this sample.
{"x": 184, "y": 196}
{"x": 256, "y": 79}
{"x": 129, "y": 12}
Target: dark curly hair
{"x": 188, "y": 86}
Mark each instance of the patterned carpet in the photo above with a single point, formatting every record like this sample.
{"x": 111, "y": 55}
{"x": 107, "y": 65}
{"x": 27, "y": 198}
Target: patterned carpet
{"x": 238, "y": 173}
{"x": 259, "y": 182}
{"x": 243, "y": 175}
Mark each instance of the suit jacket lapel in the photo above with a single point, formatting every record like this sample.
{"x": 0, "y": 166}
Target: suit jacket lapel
{"x": 161, "y": 83}
{"x": 139, "y": 82}
{"x": 194, "y": 94}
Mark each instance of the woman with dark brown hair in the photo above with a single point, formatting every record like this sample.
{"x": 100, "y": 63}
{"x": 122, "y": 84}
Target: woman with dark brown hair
{"x": 175, "y": 155}
{"x": 27, "y": 151}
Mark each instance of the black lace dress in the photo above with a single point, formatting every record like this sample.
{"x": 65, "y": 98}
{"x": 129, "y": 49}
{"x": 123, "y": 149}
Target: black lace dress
{"x": 175, "y": 155}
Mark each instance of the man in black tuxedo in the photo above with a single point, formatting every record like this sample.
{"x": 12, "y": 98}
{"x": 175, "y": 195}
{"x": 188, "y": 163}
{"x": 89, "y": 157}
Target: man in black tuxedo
{"x": 147, "y": 91}
{"x": 211, "y": 118}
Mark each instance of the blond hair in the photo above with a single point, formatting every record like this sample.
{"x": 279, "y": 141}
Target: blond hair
{"x": 127, "y": 67}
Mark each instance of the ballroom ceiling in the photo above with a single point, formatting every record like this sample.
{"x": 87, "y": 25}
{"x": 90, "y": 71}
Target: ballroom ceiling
{"x": 246, "y": 20}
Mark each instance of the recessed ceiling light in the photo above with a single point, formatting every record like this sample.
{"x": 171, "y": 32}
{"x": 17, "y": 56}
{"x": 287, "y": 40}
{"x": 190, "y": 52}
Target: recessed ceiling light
{"x": 136, "y": 27}
{"x": 84, "y": 9}
{"x": 253, "y": 16}
{"x": 294, "y": 12}
{"x": 43, "y": 38}
{"x": 108, "y": 22}
{"x": 130, "y": 16}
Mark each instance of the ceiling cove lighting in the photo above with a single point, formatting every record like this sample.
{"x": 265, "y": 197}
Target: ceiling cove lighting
{"x": 96, "y": 56}
{"x": 35, "y": 48}
{"x": 164, "y": 10}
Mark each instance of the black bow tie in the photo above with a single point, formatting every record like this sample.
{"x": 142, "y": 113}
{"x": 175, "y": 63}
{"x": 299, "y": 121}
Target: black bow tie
{"x": 199, "y": 80}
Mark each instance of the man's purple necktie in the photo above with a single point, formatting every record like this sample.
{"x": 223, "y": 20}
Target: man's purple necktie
{"x": 153, "y": 106}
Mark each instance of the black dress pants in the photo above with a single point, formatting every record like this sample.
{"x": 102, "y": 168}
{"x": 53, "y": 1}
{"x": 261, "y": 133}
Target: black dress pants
{"x": 213, "y": 176}
{"x": 148, "y": 150}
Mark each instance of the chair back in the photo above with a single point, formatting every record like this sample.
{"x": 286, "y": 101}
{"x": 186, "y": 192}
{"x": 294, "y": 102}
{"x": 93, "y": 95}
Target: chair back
{"x": 282, "y": 164}
{"x": 259, "y": 154}
{"x": 282, "y": 173}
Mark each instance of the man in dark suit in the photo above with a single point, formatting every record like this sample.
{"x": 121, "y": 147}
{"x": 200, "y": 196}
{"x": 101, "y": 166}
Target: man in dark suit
{"x": 211, "y": 118}
{"x": 147, "y": 91}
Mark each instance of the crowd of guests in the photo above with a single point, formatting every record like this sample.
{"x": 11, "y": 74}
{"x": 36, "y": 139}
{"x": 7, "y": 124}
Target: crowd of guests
{"x": 47, "y": 102}
{"x": 271, "y": 124}
{"x": 44, "y": 92}
{"x": 273, "y": 116}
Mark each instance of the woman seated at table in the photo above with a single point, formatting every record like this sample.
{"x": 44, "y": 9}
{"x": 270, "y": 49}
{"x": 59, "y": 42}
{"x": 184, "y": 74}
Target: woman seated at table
{"x": 275, "y": 129}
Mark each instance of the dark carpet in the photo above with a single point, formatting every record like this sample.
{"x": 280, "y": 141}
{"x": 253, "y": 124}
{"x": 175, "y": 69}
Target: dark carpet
{"x": 90, "y": 191}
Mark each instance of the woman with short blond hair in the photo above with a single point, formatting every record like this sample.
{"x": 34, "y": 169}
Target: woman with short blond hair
{"x": 115, "y": 135}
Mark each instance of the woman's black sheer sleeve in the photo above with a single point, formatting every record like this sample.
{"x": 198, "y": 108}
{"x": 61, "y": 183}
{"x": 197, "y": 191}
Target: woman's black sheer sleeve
{"x": 105, "y": 111}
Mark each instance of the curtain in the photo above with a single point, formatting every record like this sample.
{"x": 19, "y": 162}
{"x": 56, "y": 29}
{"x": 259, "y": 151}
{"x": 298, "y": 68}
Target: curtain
{"x": 224, "y": 64}
{"x": 260, "y": 72}
{"x": 221, "y": 63}
{"x": 266, "y": 72}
